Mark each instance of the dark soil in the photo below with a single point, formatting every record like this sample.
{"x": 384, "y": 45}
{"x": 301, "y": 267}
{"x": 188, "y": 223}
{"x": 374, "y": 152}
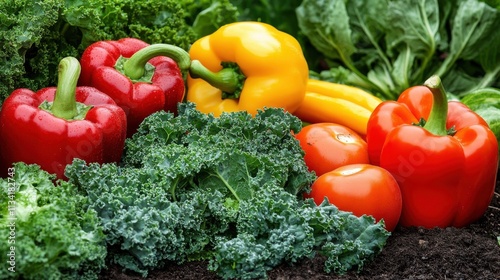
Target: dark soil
{"x": 411, "y": 253}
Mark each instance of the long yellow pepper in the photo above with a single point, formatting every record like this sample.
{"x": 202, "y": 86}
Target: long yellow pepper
{"x": 337, "y": 103}
{"x": 272, "y": 70}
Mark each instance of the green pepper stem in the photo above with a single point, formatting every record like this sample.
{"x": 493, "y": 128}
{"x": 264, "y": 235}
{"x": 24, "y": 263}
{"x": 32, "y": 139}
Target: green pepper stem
{"x": 436, "y": 123}
{"x": 227, "y": 79}
{"x": 64, "y": 105}
{"x": 134, "y": 67}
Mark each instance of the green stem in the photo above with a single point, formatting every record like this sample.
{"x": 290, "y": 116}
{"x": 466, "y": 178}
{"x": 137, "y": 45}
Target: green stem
{"x": 432, "y": 45}
{"x": 436, "y": 123}
{"x": 373, "y": 41}
{"x": 134, "y": 67}
{"x": 446, "y": 65}
{"x": 350, "y": 65}
{"x": 227, "y": 80}
{"x": 64, "y": 105}
{"x": 374, "y": 87}
{"x": 488, "y": 78}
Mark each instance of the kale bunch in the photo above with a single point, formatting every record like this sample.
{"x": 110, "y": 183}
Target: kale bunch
{"x": 225, "y": 189}
{"x": 48, "y": 231}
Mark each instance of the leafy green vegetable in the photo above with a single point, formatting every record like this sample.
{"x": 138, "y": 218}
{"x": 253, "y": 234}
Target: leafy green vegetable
{"x": 199, "y": 187}
{"x": 212, "y": 15}
{"x": 388, "y": 46}
{"x": 493, "y": 3}
{"x": 50, "y": 234}
{"x": 274, "y": 227}
{"x": 28, "y": 30}
{"x": 36, "y": 35}
{"x": 486, "y": 103}
{"x": 151, "y": 20}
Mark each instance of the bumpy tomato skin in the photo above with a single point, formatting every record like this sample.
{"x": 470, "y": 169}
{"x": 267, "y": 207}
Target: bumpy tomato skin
{"x": 362, "y": 189}
{"x": 328, "y": 146}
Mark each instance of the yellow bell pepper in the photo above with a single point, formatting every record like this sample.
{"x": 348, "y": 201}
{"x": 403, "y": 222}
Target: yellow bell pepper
{"x": 337, "y": 103}
{"x": 246, "y": 66}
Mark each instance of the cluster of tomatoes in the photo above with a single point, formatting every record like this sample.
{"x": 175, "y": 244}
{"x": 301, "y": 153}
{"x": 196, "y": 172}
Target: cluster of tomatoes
{"x": 339, "y": 157}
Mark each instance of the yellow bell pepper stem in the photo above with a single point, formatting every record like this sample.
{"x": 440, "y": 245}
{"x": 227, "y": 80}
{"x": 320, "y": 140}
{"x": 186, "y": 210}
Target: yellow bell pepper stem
{"x": 228, "y": 80}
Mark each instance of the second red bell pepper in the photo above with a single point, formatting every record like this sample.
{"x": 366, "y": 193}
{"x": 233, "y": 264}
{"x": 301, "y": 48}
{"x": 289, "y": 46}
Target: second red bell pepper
{"x": 442, "y": 154}
{"x": 53, "y": 126}
{"x": 141, "y": 78}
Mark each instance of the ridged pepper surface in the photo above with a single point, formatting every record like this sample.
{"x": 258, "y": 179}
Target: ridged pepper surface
{"x": 442, "y": 154}
{"x": 141, "y": 78}
{"x": 54, "y": 125}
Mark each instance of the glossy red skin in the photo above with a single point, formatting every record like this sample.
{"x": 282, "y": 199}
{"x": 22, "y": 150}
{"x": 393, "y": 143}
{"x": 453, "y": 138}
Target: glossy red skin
{"x": 444, "y": 180}
{"x": 328, "y": 146}
{"x": 362, "y": 189}
{"x": 34, "y": 136}
{"x": 139, "y": 99}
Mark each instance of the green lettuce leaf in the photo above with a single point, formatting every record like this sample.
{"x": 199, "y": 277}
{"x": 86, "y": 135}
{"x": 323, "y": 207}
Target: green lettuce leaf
{"x": 388, "y": 46}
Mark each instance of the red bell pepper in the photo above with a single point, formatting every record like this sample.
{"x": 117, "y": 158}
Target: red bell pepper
{"x": 57, "y": 124}
{"x": 443, "y": 156}
{"x": 141, "y": 78}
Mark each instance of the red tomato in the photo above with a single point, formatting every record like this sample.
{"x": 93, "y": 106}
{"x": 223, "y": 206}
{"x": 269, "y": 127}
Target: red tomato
{"x": 361, "y": 189}
{"x": 328, "y": 146}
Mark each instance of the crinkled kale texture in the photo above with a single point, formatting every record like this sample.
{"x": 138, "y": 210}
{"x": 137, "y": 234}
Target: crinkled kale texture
{"x": 275, "y": 227}
{"x": 225, "y": 189}
{"x": 48, "y": 231}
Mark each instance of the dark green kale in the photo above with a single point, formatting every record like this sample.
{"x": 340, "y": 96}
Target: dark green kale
{"x": 275, "y": 227}
{"x": 28, "y": 54}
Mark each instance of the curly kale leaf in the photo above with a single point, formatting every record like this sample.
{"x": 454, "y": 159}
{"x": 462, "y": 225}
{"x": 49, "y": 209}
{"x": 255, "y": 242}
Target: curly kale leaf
{"x": 144, "y": 226}
{"x": 183, "y": 178}
{"x": 274, "y": 227}
{"x": 54, "y": 235}
{"x": 150, "y": 20}
{"x": 225, "y": 189}
{"x": 24, "y": 25}
{"x": 215, "y": 142}
{"x": 155, "y": 21}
